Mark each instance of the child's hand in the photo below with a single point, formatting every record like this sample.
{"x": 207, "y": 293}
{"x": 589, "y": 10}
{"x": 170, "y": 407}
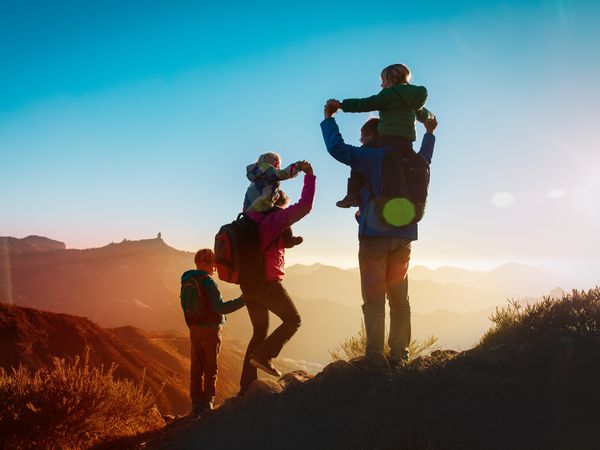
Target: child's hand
{"x": 331, "y": 107}
{"x": 431, "y": 125}
{"x": 307, "y": 168}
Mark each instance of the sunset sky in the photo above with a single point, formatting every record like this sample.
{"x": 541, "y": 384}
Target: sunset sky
{"x": 120, "y": 121}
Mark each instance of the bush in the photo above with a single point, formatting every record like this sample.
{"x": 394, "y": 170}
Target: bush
{"x": 356, "y": 346}
{"x": 576, "y": 315}
{"x": 71, "y": 405}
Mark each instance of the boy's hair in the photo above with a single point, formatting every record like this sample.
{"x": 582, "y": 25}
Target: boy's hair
{"x": 396, "y": 74}
{"x": 204, "y": 257}
{"x": 270, "y": 158}
{"x": 370, "y": 127}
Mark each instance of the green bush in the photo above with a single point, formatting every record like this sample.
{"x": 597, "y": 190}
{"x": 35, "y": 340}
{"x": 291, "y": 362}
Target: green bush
{"x": 576, "y": 314}
{"x": 71, "y": 405}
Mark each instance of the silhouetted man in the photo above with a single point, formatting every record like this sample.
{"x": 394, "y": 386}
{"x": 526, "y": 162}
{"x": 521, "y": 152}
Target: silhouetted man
{"x": 384, "y": 250}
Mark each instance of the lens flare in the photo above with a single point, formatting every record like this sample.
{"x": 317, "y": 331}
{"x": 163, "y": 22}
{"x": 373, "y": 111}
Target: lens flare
{"x": 556, "y": 193}
{"x": 399, "y": 211}
{"x": 5, "y": 273}
{"x": 503, "y": 199}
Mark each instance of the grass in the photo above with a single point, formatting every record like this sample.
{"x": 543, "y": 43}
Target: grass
{"x": 70, "y": 406}
{"x": 356, "y": 346}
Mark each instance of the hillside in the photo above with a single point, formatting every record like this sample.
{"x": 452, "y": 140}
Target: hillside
{"x": 531, "y": 383}
{"x": 34, "y": 337}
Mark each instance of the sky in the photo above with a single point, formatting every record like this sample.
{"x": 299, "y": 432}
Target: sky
{"x": 123, "y": 119}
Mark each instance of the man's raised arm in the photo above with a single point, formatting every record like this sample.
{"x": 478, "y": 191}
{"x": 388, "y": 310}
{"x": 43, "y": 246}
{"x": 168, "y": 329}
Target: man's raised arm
{"x": 334, "y": 142}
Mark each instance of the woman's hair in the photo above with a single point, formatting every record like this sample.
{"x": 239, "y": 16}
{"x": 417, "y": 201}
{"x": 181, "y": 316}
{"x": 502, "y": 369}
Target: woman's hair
{"x": 204, "y": 257}
{"x": 270, "y": 158}
{"x": 281, "y": 199}
{"x": 396, "y": 74}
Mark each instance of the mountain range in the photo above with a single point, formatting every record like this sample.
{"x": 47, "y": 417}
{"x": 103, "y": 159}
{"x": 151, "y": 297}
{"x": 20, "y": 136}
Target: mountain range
{"x": 136, "y": 283}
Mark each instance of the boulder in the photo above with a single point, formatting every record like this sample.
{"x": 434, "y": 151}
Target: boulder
{"x": 294, "y": 378}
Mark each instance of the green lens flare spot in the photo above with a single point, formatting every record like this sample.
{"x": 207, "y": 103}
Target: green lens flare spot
{"x": 399, "y": 212}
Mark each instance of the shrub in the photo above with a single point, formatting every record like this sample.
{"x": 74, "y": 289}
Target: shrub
{"x": 71, "y": 405}
{"x": 576, "y": 314}
{"x": 356, "y": 346}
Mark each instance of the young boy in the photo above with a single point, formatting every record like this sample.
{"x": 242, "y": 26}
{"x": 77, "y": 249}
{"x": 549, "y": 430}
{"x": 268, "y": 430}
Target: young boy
{"x": 204, "y": 311}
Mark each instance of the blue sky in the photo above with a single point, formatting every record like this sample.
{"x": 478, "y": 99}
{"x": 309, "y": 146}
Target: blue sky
{"x": 123, "y": 119}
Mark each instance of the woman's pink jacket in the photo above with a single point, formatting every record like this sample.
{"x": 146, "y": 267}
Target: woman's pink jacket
{"x": 272, "y": 224}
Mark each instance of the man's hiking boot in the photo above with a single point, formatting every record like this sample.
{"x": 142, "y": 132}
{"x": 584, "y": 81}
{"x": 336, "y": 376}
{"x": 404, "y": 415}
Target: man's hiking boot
{"x": 370, "y": 363}
{"x": 266, "y": 366}
{"x": 398, "y": 360}
{"x": 352, "y": 199}
{"x": 292, "y": 241}
{"x": 397, "y": 363}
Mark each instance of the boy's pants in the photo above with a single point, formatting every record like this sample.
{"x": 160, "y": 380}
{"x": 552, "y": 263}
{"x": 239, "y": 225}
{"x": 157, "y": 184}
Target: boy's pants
{"x": 206, "y": 343}
{"x": 383, "y": 269}
{"x": 269, "y": 296}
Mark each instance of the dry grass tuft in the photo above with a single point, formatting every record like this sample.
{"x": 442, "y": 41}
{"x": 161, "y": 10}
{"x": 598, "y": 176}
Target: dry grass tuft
{"x": 576, "y": 315}
{"x": 71, "y": 405}
{"x": 356, "y": 346}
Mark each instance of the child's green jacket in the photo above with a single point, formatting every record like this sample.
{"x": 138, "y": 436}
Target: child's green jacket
{"x": 399, "y": 106}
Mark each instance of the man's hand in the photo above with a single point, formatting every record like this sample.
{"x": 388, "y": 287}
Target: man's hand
{"x": 431, "y": 125}
{"x": 331, "y": 107}
{"x": 306, "y": 167}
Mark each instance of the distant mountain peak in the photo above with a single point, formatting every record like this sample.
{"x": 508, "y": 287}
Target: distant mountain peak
{"x": 30, "y": 244}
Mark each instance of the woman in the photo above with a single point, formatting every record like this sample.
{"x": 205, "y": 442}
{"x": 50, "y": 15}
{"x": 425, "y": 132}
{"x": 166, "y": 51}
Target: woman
{"x": 269, "y": 294}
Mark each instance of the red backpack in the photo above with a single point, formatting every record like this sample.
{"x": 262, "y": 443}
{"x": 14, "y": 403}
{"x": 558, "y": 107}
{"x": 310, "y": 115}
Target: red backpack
{"x": 237, "y": 252}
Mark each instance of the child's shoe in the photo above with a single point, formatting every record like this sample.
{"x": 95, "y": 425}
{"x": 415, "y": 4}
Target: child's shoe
{"x": 355, "y": 185}
{"x": 351, "y": 199}
{"x": 289, "y": 239}
{"x": 292, "y": 241}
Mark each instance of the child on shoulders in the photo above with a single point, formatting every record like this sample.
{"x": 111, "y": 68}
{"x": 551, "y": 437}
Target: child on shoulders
{"x": 400, "y": 105}
{"x": 265, "y": 176}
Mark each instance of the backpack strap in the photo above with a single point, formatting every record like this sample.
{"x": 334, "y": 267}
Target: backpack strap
{"x": 192, "y": 281}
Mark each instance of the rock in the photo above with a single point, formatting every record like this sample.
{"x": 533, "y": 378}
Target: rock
{"x": 338, "y": 369}
{"x": 262, "y": 389}
{"x": 294, "y": 378}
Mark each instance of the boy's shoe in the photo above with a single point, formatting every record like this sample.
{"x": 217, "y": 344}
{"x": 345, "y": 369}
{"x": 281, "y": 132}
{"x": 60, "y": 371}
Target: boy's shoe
{"x": 350, "y": 200}
{"x": 266, "y": 366}
{"x": 197, "y": 410}
{"x": 292, "y": 241}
